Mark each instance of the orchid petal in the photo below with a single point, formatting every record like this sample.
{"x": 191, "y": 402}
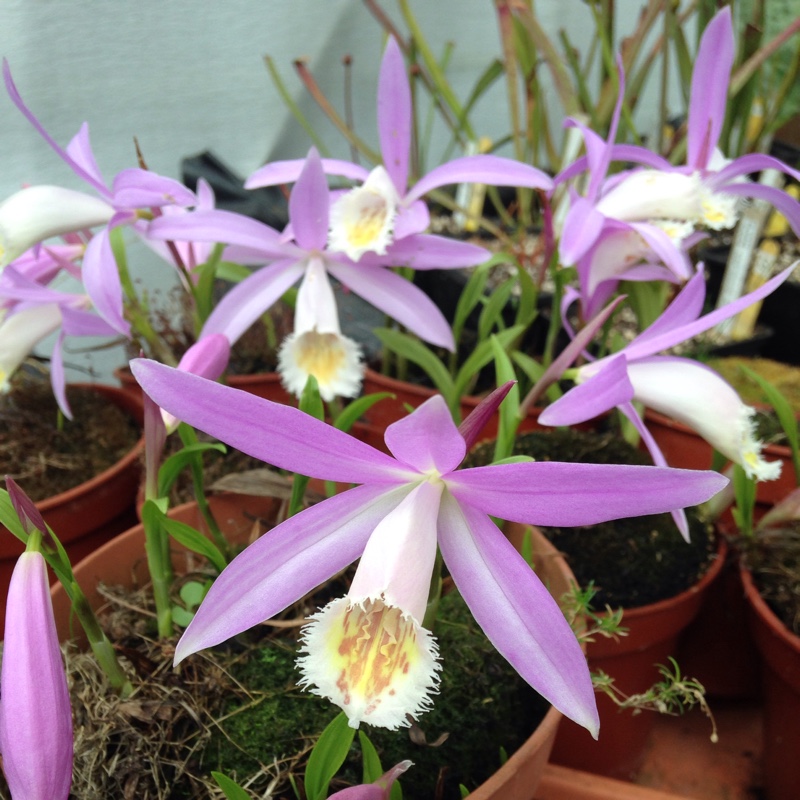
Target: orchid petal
{"x": 140, "y": 188}
{"x": 679, "y": 515}
{"x": 278, "y": 434}
{"x": 20, "y": 333}
{"x": 217, "y": 225}
{"x": 427, "y": 440}
{"x": 683, "y": 310}
{"x": 75, "y": 165}
{"x": 35, "y": 715}
{"x": 747, "y": 165}
{"x": 582, "y": 227}
{"x": 36, "y": 213}
{"x": 411, "y": 219}
{"x": 58, "y": 378}
{"x": 779, "y": 199}
{"x": 398, "y": 298}
{"x": 250, "y": 298}
{"x": 425, "y": 251}
{"x": 80, "y": 151}
{"x": 78, "y": 322}
{"x": 286, "y": 563}
{"x": 373, "y": 791}
{"x": 516, "y": 612}
{"x": 279, "y": 172}
{"x": 493, "y": 170}
{"x": 640, "y": 348}
{"x": 709, "y": 92}
{"x": 102, "y": 282}
{"x": 698, "y": 397}
{"x": 207, "y": 357}
{"x": 394, "y": 115}
{"x": 406, "y": 535}
{"x": 309, "y": 205}
{"x": 552, "y": 493}
{"x": 470, "y": 429}
{"x": 593, "y": 396}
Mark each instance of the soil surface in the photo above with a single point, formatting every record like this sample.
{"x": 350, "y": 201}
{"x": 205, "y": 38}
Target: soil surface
{"x": 48, "y": 454}
{"x": 774, "y": 558}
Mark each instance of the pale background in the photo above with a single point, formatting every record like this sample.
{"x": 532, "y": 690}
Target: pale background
{"x": 185, "y": 76}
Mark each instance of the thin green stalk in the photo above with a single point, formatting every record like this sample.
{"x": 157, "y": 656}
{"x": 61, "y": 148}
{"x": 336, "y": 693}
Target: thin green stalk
{"x": 102, "y": 648}
{"x": 289, "y": 102}
{"x": 159, "y": 566}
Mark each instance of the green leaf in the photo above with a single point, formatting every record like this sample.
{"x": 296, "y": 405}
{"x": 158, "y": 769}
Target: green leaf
{"x": 509, "y": 408}
{"x": 193, "y": 592}
{"x": 192, "y": 540}
{"x": 413, "y": 350}
{"x": 204, "y": 287}
{"x": 492, "y": 314}
{"x": 471, "y": 295}
{"x": 356, "y": 409}
{"x": 232, "y": 789}
{"x": 372, "y": 769}
{"x": 481, "y": 356}
{"x": 327, "y": 757}
{"x": 310, "y": 401}
{"x": 235, "y": 273}
{"x": 173, "y": 466}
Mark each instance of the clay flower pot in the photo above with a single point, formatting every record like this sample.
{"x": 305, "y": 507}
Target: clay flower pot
{"x": 653, "y": 634}
{"x": 90, "y": 514}
{"x": 684, "y": 448}
{"x": 122, "y": 562}
{"x": 780, "y": 655}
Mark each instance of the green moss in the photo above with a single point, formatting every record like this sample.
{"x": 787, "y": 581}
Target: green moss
{"x": 483, "y": 706}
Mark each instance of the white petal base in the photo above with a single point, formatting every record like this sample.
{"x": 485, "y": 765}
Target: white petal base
{"x": 334, "y": 360}
{"x": 374, "y": 662}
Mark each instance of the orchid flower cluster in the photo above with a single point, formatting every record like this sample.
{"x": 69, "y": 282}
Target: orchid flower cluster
{"x": 413, "y": 507}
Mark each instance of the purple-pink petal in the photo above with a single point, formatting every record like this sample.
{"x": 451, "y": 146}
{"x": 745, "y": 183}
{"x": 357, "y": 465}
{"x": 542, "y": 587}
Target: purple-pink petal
{"x": 72, "y": 163}
{"x": 553, "y": 493}
{"x": 709, "y": 93}
{"x": 309, "y": 205}
{"x": 242, "y": 305}
{"x": 288, "y": 562}
{"x": 643, "y": 347}
{"x": 426, "y": 251}
{"x": 217, "y": 225}
{"x": 398, "y": 298}
{"x": 102, "y": 283}
{"x": 427, "y": 440}
{"x": 609, "y": 387}
{"x": 280, "y": 435}
{"x": 516, "y": 612}
{"x": 493, "y": 170}
{"x": 35, "y": 713}
{"x": 279, "y": 172}
{"x": 394, "y": 115}
{"x": 140, "y": 188}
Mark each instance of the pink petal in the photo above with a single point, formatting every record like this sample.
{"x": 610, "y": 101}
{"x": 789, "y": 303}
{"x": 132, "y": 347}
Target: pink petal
{"x": 394, "y": 115}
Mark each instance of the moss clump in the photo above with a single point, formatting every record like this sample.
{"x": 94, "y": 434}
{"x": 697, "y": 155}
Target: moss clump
{"x": 483, "y": 706}
{"x": 632, "y": 562}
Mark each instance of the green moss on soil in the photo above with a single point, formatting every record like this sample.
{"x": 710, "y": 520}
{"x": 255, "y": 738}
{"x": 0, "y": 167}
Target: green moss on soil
{"x": 632, "y": 562}
{"x": 483, "y": 705}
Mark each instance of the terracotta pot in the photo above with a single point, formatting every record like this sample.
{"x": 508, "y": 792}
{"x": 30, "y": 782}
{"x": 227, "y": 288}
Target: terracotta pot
{"x": 653, "y": 633}
{"x": 122, "y": 562}
{"x": 780, "y": 655}
{"x": 682, "y": 447}
{"x": 716, "y": 649}
{"x": 90, "y": 514}
{"x": 263, "y": 384}
{"x": 405, "y": 394}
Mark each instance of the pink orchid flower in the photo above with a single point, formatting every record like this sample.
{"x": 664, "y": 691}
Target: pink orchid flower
{"x": 407, "y": 505}
{"x": 384, "y": 209}
{"x": 35, "y": 712}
